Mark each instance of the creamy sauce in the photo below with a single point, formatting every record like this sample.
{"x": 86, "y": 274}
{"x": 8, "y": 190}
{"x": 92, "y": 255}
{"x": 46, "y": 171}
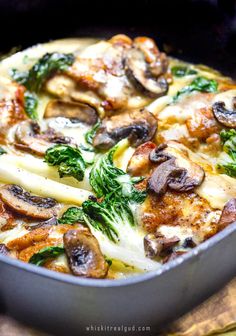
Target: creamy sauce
{"x": 33, "y": 174}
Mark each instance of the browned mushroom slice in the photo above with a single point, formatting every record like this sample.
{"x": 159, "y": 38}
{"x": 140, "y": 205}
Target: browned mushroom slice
{"x": 157, "y": 155}
{"x": 146, "y": 77}
{"x": 138, "y": 126}
{"x": 72, "y": 110}
{"x": 224, "y": 116}
{"x": 177, "y": 173}
{"x": 84, "y": 254}
{"x": 24, "y": 203}
{"x": 29, "y": 137}
{"x": 173, "y": 256}
{"x": 228, "y": 215}
{"x": 3, "y": 249}
{"x": 156, "y": 244}
{"x": 43, "y": 224}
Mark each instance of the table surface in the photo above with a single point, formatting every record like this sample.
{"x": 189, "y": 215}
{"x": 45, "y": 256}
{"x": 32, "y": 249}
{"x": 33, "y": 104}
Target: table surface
{"x": 215, "y": 316}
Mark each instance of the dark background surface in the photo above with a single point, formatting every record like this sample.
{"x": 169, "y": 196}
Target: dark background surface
{"x": 197, "y": 31}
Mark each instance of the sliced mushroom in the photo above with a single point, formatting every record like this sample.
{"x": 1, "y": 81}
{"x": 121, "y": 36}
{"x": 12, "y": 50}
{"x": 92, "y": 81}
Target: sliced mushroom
{"x": 138, "y": 126}
{"x": 26, "y": 204}
{"x": 157, "y": 155}
{"x": 177, "y": 173}
{"x": 72, "y": 110}
{"x": 29, "y": 137}
{"x": 173, "y": 256}
{"x": 157, "y": 244}
{"x": 189, "y": 243}
{"x": 224, "y": 116}
{"x": 146, "y": 77}
{"x": 44, "y": 224}
{"x": 228, "y": 215}
{"x": 84, "y": 254}
{"x": 3, "y": 249}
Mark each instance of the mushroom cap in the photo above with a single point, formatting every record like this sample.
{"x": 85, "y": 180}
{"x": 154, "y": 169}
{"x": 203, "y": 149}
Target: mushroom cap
{"x": 72, "y": 110}
{"x": 138, "y": 126}
{"x": 177, "y": 172}
{"x": 157, "y": 244}
{"x": 29, "y": 137}
{"x": 26, "y": 204}
{"x": 84, "y": 254}
{"x": 3, "y": 249}
{"x": 147, "y": 78}
{"x": 228, "y": 215}
{"x": 223, "y": 115}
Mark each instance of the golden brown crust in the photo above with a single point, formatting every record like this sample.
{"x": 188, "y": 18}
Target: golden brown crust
{"x": 30, "y": 238}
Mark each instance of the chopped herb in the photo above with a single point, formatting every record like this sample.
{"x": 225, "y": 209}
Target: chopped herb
{"x": 91, "y": 133}
{"x": 34, "y": 79}
{"x": 45, "y": 254}
{"x": 228, "y": 165}
{"x": 68, "y": 159}
{"x": 201, "y": 84}
{"x": 181, "y": 71}
{"x": 31, "y": 104}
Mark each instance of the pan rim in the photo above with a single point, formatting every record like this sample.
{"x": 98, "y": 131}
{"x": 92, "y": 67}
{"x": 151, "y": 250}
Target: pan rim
{"x": 109, "y": 283}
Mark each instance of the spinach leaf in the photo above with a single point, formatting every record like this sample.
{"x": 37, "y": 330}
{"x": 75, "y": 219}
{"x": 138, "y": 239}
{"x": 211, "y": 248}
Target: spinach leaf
{"x": 201, "y": 84}
{"x": 102, "y": 216}
{"x": 45, "y": 254}
{"x": 34, "y": 79}
{"x": 105, "y": 178}
{"x": 82, "y": 215}
{"x": 181, "y": 71}
{"x": 72, "y": 215}
{"x": 228, "y": 166}
{"x": 68, "y": 159}
{"x": 30, "y": 104}
{"x": 118, "y": 195}
{"x": 91, "y": 133}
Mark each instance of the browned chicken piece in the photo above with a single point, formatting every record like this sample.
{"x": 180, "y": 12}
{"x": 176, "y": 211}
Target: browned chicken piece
{"x": 139, "y": 164}
{"x": 179, "y": 209}
{"x": 202, "y": 124}
{"x": 29, "y": 239}
{"x": 115, "y": 75}
{"x": 11, "y": 111}
{"x": 28, "y": 252}
{"x": 39, "y": 239}
{"x": 191, "y": 121}
{"x": 171, "y": 200}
